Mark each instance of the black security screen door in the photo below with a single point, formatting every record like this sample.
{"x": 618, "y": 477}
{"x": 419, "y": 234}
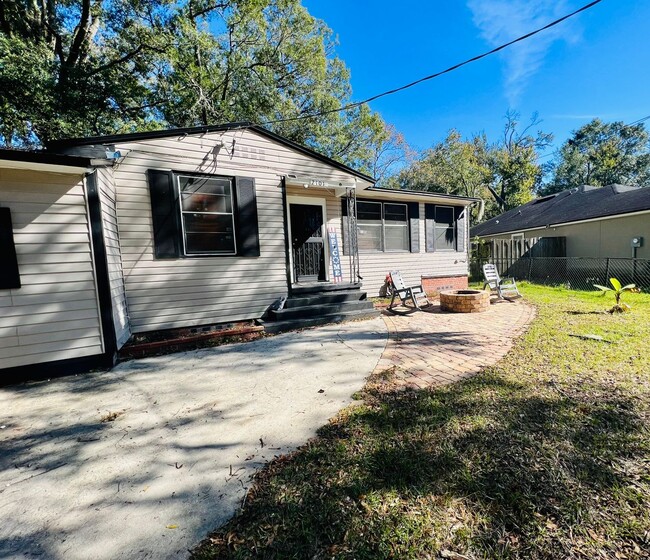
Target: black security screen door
{"x": 307, "y": 242}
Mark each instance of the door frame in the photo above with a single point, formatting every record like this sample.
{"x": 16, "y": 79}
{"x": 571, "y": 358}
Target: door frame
{"x": 313, "y": 201}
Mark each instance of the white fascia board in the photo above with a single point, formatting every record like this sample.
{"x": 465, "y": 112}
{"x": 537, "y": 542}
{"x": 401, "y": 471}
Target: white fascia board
{"x": 31, "y": 166}
{"x": 432, "y": 199}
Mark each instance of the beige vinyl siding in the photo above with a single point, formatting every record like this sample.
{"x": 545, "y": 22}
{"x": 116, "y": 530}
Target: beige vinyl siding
{"x": 374, "y": 266}
{"x": 164, "y": 293}
{"x": 598, "y": 238}
{"x": 106, "y": 189}
{"x": 54, "y": 315}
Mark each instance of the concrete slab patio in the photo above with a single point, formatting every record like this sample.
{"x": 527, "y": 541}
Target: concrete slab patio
{"x": 145, "y": 460}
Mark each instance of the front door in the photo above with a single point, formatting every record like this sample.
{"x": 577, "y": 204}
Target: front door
{"x": 307, "y": 242}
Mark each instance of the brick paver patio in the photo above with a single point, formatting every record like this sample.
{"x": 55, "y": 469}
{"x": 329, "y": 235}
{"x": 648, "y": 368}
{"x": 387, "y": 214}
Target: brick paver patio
{"x": 431, "y": 348}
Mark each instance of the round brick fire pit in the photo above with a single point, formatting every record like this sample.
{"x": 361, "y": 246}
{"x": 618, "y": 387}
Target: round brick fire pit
{"x": 465, "y": 301}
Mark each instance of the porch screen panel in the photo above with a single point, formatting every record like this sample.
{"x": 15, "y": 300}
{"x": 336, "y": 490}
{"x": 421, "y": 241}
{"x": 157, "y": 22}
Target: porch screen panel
{"x": 445, "y": 228}
{"x": 396, "y": 229}
{"x": 369, "y": 225}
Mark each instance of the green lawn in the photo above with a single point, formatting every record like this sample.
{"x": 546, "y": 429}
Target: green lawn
{"x": 546, "y": 455}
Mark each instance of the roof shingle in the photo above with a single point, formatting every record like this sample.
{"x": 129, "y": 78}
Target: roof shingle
{"x": 573, "y": 205}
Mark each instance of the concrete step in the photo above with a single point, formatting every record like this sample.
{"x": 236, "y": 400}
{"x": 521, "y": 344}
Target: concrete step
{"x": 323, "y": 298}
{"x": 308, "y": 311}
{"x": 274, "y": 327}
{"x": 322, "y": 287}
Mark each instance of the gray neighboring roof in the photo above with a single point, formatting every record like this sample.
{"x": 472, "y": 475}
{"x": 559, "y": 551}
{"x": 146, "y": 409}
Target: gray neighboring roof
{"x": 573, "y": 205}
{"x": 135, "y": 136}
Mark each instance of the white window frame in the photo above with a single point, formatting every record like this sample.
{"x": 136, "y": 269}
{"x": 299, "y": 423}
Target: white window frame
{"x": 233, "y": 207}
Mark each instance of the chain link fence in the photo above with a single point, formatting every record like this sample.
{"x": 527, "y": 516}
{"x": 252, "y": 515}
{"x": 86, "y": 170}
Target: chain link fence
{"x": 578, "y": 273}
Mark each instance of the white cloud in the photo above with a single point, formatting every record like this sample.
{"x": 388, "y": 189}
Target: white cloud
{"x": 500, "y": 21}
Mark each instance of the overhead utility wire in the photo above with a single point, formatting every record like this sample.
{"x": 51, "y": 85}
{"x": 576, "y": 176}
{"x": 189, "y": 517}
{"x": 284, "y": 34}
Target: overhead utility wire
{"x": 437, "y": 74}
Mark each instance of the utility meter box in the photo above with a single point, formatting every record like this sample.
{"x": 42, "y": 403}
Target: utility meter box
{"x": 637, "y": 241}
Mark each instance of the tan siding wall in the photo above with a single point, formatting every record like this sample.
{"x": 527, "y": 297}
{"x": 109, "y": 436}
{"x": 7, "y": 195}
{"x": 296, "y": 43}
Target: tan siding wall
{"x": 599, "y": 239}
{"x": 106, "y": 188}
{"x": 375, "y": 266}
{"x": 54, "y": 315}
{"x": 184, "y": 292}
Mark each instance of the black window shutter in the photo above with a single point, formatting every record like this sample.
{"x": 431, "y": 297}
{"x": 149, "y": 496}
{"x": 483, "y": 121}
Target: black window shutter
{"x": 165, "y": 214}
{"x": 460, "y": 229}
{"x": 414, "y": 226}
{"x": 344, "y": 225}
{"x": 429, "y": 227}
{"x": 9, "y": 275}
{"x": 247, "y": 234}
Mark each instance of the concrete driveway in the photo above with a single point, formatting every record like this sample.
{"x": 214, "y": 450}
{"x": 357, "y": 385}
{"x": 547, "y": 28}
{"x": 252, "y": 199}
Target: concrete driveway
{"x": 143, "y": 461}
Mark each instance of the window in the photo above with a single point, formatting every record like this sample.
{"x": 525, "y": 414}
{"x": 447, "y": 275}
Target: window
{"x": 207, "y": 215}
{"x": 196, "y": 215}
{"x": 445, "y": 228}
{"x": 382, "y": 226}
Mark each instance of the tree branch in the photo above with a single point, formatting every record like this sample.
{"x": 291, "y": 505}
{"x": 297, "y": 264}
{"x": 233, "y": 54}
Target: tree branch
{"x": 125, "y": 58}
{"x": 85, "y": 21}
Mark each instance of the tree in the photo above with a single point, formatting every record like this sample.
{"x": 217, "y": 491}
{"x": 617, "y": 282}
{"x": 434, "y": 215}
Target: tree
{"x": 75, "y": 67}
{"x": 100, "y": 66}
{"x": 453, "y": 166}
{"x": 504, "y": 173}
{"x": 599, "y": 154}
{"x": 514, "y": 162}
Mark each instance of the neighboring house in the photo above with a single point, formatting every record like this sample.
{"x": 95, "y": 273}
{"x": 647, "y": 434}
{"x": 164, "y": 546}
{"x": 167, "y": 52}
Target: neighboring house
{"x": 599, "y": 222}
{"x": 109, "y": 236}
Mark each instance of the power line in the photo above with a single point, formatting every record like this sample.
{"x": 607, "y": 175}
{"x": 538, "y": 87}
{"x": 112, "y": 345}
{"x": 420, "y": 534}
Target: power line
{"x": 437, "y": 74}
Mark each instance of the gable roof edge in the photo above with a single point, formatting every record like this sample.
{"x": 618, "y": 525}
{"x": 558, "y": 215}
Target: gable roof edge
{"x": 55, "y": 145}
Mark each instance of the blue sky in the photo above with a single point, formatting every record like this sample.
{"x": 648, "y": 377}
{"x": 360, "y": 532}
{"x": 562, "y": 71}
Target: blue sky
{"x": 594, "y": 65}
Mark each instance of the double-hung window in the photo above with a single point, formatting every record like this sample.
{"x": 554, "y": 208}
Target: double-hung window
{"x": 196, "y": 215}
{"x": 382, "y": 226}
{"x": 207, "y": 215}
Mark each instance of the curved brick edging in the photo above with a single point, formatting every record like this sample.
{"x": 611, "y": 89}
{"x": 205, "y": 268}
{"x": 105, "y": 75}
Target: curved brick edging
{"x": 432, "y": 348}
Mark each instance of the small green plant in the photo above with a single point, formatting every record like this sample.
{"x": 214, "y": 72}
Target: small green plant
{"x": 618, "y": 289}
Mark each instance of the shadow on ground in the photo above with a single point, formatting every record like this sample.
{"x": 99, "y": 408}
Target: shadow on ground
{"x": 144, "y": 460}
{"x": 490, "y": 467}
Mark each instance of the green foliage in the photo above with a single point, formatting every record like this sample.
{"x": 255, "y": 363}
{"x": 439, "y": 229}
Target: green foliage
{"x": 513, "y": 161}
{"x": 106, "y": 66}
{"x": 618, "y": 290}
{"x": 601, "y": 154}
{"x": 505, "y": 173}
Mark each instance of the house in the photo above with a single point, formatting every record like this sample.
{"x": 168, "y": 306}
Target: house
{"x": 110, "y": 236}
{"x": 598, "y": 222}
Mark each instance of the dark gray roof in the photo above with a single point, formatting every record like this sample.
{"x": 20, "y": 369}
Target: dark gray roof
{"x": 573, "y": 205}
{"x": 57, "y": 145}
